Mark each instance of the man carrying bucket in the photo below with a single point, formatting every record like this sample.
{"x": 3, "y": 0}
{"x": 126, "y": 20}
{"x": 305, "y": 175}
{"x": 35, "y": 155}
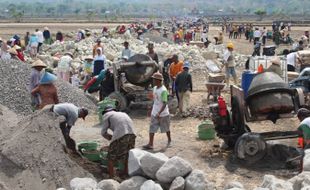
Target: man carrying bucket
{"x": 122, "y": 140}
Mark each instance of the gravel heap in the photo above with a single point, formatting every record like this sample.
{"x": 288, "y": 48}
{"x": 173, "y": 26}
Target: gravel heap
{"x": 14, "y": 94}
{"x": 33, "y": 155}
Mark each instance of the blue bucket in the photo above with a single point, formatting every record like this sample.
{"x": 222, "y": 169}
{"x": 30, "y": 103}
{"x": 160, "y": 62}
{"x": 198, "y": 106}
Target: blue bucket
{"x": 48, "y": 78}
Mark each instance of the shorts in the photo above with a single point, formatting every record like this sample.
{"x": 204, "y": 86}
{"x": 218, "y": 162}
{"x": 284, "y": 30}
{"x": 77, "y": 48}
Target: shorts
{"x": 118, "y": 149}
{"x": 230, "y": 71}
{"x": 163, "y": 123}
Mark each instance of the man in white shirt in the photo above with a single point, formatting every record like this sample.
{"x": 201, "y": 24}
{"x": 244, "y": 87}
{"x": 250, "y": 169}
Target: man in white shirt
{"x": 291, "y": 60}
{"x": 40, "y": 36}
{"x": 126, "y": 52}
{"x": 257, "y": 35}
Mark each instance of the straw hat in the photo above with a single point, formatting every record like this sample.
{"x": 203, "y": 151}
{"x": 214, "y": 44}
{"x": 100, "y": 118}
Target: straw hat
{"x": 16, "y": 47}
{"x": 38, "y": 63}
{"x": 276, "y": 61}
{"x": 69, "y": 53}
{"x": 89, "y": 57}
{"x": 12, "y": 51}
{"x": 230, "y": 45}
{"x": 158, "y": 76}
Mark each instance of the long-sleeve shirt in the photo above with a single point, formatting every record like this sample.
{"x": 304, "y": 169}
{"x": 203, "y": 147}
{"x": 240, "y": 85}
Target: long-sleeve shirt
{"x": 35, "y": 77}
{"x": 183, "y": 82}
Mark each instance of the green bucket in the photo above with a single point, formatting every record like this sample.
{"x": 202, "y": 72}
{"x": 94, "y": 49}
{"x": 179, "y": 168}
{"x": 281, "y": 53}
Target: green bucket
{"x": 102, "y": 104}
{"x": 93, "y": 155}
{"x": 206, "y": 130}
{"x": 104, "y": 161}
{"x": 88, "y": 145}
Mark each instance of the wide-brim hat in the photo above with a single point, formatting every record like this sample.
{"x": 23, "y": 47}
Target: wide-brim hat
{"x": 38, "y": 63}
{"x": 12, "y": 51}
{"x": 48, "y": 78}
{"x": 69, "y": 53}
{"x": 276, "y": 60}
{"x": 88, "y": 57}
{"x": 158, "y": 76}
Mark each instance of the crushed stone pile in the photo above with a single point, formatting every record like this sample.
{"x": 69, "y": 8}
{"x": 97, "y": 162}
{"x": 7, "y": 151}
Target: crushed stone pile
{"x": 8, "y": 123}
{"x": 33, "y": 157}
{"x": 14, "y": 94}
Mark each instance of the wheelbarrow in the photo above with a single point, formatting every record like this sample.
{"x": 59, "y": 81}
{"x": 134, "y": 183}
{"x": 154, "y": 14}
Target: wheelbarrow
{"x": 214, "y": 90}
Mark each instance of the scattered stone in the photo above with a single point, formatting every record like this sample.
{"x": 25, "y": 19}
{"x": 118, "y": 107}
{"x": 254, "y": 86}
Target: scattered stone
{"x": 196, "y": 181}
{"x": 233, "y": 184}
{"x": 150, "y": 163}
{"x": 178, "y": 184}
{"x": 83, "y": 184}
{"x": 134, "y": 164}
{"x": 306, "y": 161}
{"x": 108, "y": 184}
{"x": 306, "y": 188}
{"x": 273, "y": 183}
{"x": 150, "y": 185}
{"x": 173, "y": 168}
{"x": 301, "y": 180}
{"x": 134, "y": 183}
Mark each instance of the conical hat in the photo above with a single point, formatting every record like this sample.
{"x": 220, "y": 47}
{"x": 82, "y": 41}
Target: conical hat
{"x": 16, "y": 47}
{"x": 38, "y": 63}
{"x": 48, "y": 78}
{"x": 88, "y": 57}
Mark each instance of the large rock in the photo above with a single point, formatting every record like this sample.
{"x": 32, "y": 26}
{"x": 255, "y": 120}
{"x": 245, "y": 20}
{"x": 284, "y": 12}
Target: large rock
{"x": 196, "y": 181}
{"x": 273, "y": 183}
{"x": 108, "y": 184}
{"x": 83, "y": 184}
{"x": 178, "y": 184}
{"x": 306, "y": 188}
{"x": 133, "y": 183}
{"x": 306, "y": 161}
{"x": 173, "y": 168}
{"x": 150, "y": 163}
{"x": 150, "y": 185}
{"x": 301, "y": 180}
{"x": 233, "y": 184}
{"x": 134, "y": 164}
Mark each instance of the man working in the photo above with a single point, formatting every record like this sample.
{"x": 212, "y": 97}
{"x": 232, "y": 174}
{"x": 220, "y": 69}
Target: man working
{"x": 175, "y": 68}
{"x": 126, "y": 51}
{"x": 71, "y": 114}
{"x": 122, "y": 140}
{"x": 160, "y": 116}
{"x": 303, "y": 115}
{"x": 184, "y": 86}
{"x": 229, "y": 63}
{"x": 151, "y": 52}
{"x": 257, "y": 35}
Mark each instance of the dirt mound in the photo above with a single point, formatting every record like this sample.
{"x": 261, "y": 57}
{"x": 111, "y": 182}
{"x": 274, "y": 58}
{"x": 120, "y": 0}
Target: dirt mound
{"x": 8, "y": 122}
{"x": 33, "y": 156}
{"x": 14, "y": 94}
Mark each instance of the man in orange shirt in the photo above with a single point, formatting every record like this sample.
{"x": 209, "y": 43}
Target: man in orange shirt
{"x": 175, "y": 68}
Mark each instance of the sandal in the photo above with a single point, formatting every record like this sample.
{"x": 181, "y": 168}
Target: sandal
{"x": 147, "y": 147}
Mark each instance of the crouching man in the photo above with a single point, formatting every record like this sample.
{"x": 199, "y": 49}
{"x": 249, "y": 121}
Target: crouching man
{"x": 122, "y": 140}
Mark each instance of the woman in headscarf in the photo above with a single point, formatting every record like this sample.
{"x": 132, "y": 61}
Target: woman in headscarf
{"x": 47, "y": 90}
{"x": 47, "y": 36}
{"x": 99, "y": 61}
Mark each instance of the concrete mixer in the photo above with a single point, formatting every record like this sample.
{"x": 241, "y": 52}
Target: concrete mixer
{"x": 269, "y": 98}
{"x": 132, "y": 82}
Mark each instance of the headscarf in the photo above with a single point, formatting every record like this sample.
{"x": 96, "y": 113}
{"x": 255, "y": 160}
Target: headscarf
{"x": 99, "y": 57}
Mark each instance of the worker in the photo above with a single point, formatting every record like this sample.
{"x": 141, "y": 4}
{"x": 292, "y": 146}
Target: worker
{"x": 165, "y": 71}
{"x": 47, "y": 36}
{"x": 59, "y": 36}
{"x": 151, "y": 52}
{"x": 40, "y": 36}
{"x": 229, "y": 63}
{"x": 20, "y": 54}
{"x": 126, "y": 51}
{"x": 160, "y": 116}
{"x": 46, "y": 90}
{"x": 291, "y": 59}
{"x": 64, "y": 66}
{"x": 96, "y": 46}
{"x": 106, "y": 85}
{"x": 184, "y": 85}
{"x": 219, "y": 39}
{"x": 87, "y": 69}
{"x": 99, "y": 61}
{"x": 33, "y": 45}
{"x": 303, "y": 115}
{"x": 26, "y": 39}
{"x": 71, "y": 114}
{"x": 175, "y": 68}
{"x": 257, "y": 35}
{"x": 275, "y": 66}
{"x": 35, "y": 77}
{"x": 122, "y": 140}
{"x": 13, "y": 53}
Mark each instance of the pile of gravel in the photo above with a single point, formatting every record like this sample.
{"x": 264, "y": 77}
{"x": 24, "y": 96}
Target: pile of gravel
{"x": 14, "y": 94}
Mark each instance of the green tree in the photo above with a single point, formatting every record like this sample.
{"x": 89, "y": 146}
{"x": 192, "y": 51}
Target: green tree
{"x": 261, "y": 13}
{"x": 18, "y": 16}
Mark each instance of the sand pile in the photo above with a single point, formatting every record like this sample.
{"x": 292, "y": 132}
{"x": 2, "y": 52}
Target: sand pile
{"x": 14, "y": 94}
{"x": 33, "y": 156}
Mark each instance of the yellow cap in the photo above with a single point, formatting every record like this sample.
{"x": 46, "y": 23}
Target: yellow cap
{"x": 230, "y": 45}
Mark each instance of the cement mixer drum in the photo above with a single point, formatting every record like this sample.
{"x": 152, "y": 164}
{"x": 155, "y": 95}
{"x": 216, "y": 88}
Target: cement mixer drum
{"x": 140, "y": 69}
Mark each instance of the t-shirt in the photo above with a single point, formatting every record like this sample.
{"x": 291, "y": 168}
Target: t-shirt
{"x": 69, "y": 111}
{"x": 40, "y": 36}
{"x": 160, "y": 97}
{"x": 119, "y": 122}
{"x": 291, "y": 59}
{"x": 305, "y": 128}
{"x": 126, "y": 52}
{"x": 176, "y": 68}
{"x": 229, "y": 58}
{"x": 257, "y": 34}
